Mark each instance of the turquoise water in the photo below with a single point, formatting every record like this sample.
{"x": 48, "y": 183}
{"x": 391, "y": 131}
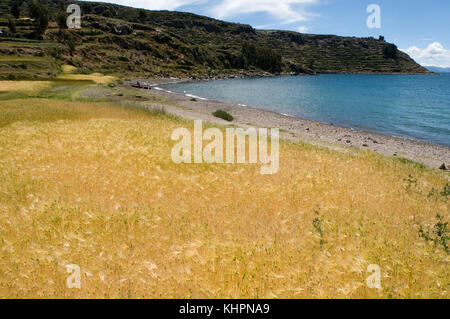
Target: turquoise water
{"x": 413, "y": 106}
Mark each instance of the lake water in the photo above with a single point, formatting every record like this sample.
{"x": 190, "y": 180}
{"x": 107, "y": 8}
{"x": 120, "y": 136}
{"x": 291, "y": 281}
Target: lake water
{"x": 413, "y": 106}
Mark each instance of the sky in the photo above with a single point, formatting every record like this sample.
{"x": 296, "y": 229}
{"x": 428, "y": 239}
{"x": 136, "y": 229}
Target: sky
{"x": 418, "y": 27}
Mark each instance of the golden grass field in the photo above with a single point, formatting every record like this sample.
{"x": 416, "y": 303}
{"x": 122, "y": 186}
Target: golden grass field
{"x": 25, "y": 87}
{"x": 68, "y": 69}
{"x": 99, "y": 78}
{"x": 93, "y": 184}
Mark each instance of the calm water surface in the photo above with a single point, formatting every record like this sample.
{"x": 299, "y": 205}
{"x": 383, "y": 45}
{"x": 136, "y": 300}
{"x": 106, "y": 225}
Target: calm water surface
{"x": 413, "y": 106}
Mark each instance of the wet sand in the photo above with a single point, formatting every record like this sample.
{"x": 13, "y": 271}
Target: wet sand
{"x": 298, "y": 129}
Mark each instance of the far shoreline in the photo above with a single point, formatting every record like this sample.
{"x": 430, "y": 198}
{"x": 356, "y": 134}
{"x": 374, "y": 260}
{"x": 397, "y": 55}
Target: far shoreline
{"x": 295, "y": 128}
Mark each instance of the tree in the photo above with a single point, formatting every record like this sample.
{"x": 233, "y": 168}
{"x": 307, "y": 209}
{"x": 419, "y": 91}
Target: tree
{"x": 142, "y": 16}
{"x": 12, "y": 26}
{"x": 39, "y": 13}
{"x": 71, "y": 44}
{"x": 391, "y": 52}
{"x": 15, "y": 9}
{"x": 69, "y": 40}
{"x": 262, "y": 57}
{"x": 61, "y": 19}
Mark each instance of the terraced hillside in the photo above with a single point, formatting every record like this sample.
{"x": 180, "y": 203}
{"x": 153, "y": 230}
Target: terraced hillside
{"x": 122, "y": 40}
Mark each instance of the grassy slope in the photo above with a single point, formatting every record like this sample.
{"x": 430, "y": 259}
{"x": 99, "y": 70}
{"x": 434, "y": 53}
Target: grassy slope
{"x": 93, "y": 184}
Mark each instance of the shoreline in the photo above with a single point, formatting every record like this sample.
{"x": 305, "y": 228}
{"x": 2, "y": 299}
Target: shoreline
{"x": 299, "y": 129}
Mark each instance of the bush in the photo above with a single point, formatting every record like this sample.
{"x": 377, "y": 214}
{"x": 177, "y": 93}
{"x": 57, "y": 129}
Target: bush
{"x": 439, "y": 235}
{"x": 223, "y": 115}
{"x": 318, "y": 227}
{"x": 446, "y": 190}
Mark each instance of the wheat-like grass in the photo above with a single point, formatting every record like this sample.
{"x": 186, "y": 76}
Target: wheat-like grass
{"x": 26, "y": 87}
{"x": 97, "y": 188}
{"x": 95, "y": 77}
{"x": 67, "y": 69}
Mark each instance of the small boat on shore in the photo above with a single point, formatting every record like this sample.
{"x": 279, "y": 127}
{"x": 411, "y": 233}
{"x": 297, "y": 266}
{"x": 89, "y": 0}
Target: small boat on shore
{"x": 140, "y": 85}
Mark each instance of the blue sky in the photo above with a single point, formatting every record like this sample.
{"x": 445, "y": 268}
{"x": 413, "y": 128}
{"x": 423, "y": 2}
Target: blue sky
{"x": 419, "y": 27}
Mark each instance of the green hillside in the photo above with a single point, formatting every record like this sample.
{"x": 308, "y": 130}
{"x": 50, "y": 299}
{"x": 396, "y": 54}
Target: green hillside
{"x": 134, "y": 42}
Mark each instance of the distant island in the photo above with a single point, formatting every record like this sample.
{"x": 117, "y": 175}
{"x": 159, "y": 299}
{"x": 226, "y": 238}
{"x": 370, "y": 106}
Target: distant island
{"x": 437, "y": 69}
{"x": 133, "y": 42}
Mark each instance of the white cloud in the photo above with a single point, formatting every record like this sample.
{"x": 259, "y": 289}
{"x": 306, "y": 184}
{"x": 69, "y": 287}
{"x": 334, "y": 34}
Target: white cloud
{"x": 287, "y": 11}
{"x": 433, "y": 55}
{"x": 303, "y": 29}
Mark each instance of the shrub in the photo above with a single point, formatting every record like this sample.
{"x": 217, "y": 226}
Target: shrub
{"x": 444, "y": 193}
{"x": 446, "y": 190}
{"x": 439, "y": 234}
{"x": 223, "y": 115}
{"x": 318, "y": 227}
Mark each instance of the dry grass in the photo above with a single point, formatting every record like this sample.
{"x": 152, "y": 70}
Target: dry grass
{"x": 25, "y": 87}
{"x": 96, "y": 187}
{"x": 67, "y": 69}
{"x": 46, "y": 110}
{"x": 95, "y": 77}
